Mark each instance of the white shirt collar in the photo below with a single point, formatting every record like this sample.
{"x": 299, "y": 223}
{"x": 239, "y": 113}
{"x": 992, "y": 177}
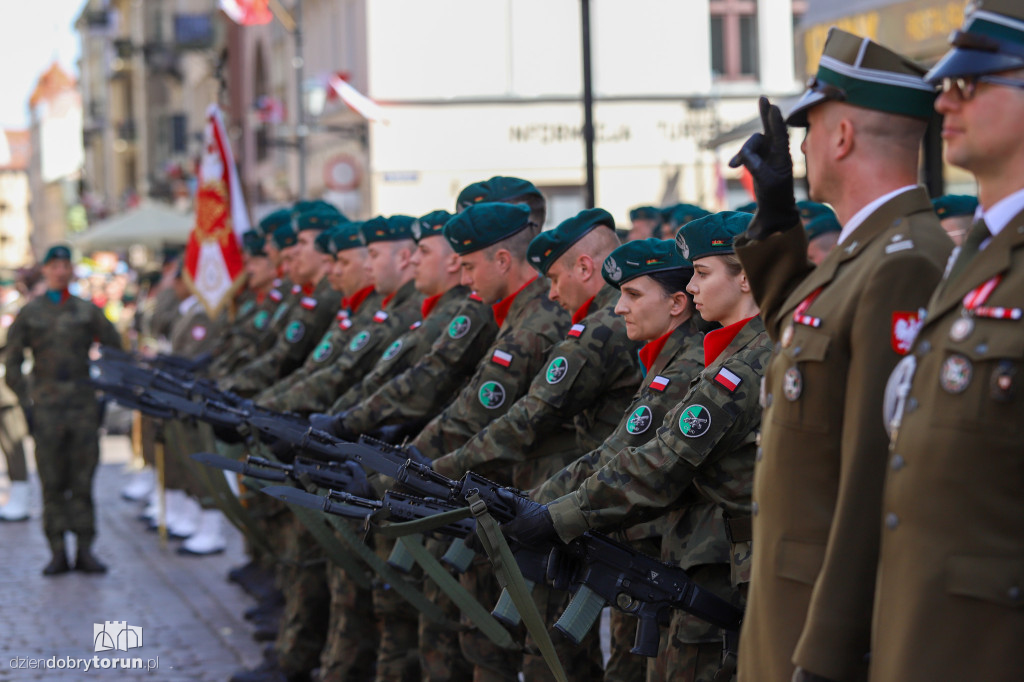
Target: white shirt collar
{"x": 862, "y": 215}
{"x": 999, "y": 215}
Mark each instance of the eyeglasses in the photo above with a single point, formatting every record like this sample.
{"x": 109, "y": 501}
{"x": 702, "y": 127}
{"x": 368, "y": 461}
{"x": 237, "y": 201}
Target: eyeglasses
{"x": 965, "y": 86}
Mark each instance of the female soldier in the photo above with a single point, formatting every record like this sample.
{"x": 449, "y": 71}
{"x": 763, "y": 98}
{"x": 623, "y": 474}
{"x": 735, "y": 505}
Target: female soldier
{"x": 701, "y": 459}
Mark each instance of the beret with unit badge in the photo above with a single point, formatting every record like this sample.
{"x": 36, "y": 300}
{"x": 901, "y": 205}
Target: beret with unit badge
{"x": 502, "y": 188}
{"x": 323, "y": 241}
{"x": 318, "y": 219}
{"x": 952, "y": 205}
{"x": 812, "y": 209}
{"x": 57, "y": 252}
{"x": 861, "y": 72}
{"x": 345, "y": 237}
{"x": 990, "y": 40}
{"x": 712, "y": 235}
{"x": 381, "y": 229}
{"x": 641, "y": 257}
{"x": 473, "y": 193}
{"x": 274, "y": 220}
{"x": 645, "y": 213}
{"x": 547, "y": 247}
{"x": 483, "y": 225}
{"x": 285, "y": 236}
{"x": 254, "y": 243}
{"x": 822, "y": 223}
{"x": 680, "y": 214}
{"x": 308, "y": 205}
{"x": 430, "y": 224}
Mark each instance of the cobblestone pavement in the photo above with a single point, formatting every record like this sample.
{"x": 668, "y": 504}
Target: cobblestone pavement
{"x": 190, "y": 615}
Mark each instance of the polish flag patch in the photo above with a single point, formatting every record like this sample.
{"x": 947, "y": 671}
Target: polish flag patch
{"x": 415, "y": 325}
{"x": 380, "y": 316}
{"x": 342, "y": 314}
{"x": 475, "y": 297}
{"x": 576, "y": 330}
{"x": 345, "y": 323}
{"x": 659, "y": 383}
{"x": 728, "y": 379}
{"x": 276, "y": 296}
{"x": 308, "y": 302}
{"x": 296, "y": 289}
{"x": 502, "y": 358}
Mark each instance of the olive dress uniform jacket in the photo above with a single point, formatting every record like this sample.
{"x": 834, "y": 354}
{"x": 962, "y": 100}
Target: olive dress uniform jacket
{"x": 949, "y": 604}
{"x": 840, "y": 328}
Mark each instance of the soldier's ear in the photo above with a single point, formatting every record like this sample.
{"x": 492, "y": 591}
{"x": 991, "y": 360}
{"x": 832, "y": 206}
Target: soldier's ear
{"x": 585, "y": 265}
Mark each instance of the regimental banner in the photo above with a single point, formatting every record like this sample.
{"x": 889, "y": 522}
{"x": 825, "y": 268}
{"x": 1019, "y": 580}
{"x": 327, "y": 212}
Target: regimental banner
{"x": 213, "y": 257}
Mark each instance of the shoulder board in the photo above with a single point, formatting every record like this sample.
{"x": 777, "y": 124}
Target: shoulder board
{"x": 296, "y": 289}
{"x": 502, "y": 358}
{"x": 415, "y": 325}
{"x": 728, "y": 379}
{"x": 308, "y": 302}
{"x": 576, "y": 330}
{"x": 380, "y": 316}
{"x": 660, "y": 383}
{"x": 475, "y": 297}
{"x": 276, "y": 296}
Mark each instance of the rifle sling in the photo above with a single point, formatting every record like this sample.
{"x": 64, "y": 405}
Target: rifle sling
{"x": 424, "y": 525}
{"x": 511, "y": 578}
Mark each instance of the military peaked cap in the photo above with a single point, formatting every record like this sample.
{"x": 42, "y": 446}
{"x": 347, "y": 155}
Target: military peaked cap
{"x": 991, "y": 40}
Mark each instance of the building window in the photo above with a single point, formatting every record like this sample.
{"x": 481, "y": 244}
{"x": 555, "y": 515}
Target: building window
{"x": 734, "y": 39}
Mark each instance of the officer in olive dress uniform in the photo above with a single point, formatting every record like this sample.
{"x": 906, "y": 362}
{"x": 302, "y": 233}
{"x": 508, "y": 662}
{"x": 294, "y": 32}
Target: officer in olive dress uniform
{"x": 62, "y": 413}
{"x": 840, "y": 327}
{"x": 950, "y": 593}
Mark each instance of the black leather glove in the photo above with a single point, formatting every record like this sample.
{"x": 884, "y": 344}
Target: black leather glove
{"x": 359, "y": 485}
{"x": 389, "y": 434}
{"x": 766, "y": 156}
{"x": 418, "y": 457}
{"x": 561, "y": 569}
{"x": 801, "y": 675}
{"x": 322, "y": 422}
{"x": 532, "y": 526}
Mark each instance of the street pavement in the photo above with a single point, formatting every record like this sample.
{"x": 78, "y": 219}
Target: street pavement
{"x": 189, "y": 614}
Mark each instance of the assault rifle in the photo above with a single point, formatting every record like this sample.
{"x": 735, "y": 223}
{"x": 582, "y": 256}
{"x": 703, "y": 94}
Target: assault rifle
{"x": 323, "y": 474}
{"x": 176, "y": 364}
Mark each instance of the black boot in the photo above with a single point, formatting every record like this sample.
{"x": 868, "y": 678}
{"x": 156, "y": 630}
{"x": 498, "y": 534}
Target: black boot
{"x": 87, "y": 563}
{"x": 58, "y": 564}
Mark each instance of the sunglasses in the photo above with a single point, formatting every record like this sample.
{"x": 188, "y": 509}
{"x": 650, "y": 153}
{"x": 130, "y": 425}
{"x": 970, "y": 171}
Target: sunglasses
{"x": 965, "y": 86}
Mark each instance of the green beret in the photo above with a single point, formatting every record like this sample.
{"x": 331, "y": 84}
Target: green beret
{"x": 641, "y": 257}
{"x": 381, "y": 229}
{"x": 430, "y": 224}
{"x": 952, "y": 205}
{"x": 274, "y": 220}
{"x": 711, "y": 235}
{"x": 345, "y": 237}
{"x": 306, "y": 206}
{"x": 401, "y": 226}
{"x": 285, "y": 236}
{"x": 680, "y": 214}
{"x": 547, "y": 247}
{"x": 322, "y": 243}
{"x": 859, "y": 71}
{"x": 501, "y": 188}
{"x": 57, "y": 251}
{"x": 471, "y": 194}
{"x": 254, "y": 243}
{"x": 486, "y": 224}
{"x": 812, "y": 209}
{"x": 750, "y": 207}
{"x": 822, "y": 224}
{"x": 318, "y": 219}
{"x": 645, "y": 213}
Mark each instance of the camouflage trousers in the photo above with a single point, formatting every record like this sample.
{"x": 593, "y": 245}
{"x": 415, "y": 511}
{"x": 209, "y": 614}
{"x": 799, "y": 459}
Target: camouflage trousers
{"x": 302, "y": 630}
{"x": 12, "y": 436}
{"x": 397, "y": 622}
{"x": 440, "y": 656}
{"x": 622, "y": 665}
{"x": 350, "y": 653}
{"x": 67, "y": 452}
{"x": 490, "y": 662}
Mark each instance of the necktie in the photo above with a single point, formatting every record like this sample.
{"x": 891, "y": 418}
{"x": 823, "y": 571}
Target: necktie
{"x": 969, "y": 249}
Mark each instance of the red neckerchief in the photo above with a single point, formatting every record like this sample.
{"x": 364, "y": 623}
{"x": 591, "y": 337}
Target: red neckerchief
{"x": 386, "y": 300}
{"x": 584, "y": 310}
{"x": 428, "y": 305}
{"x": 652, "y": 349}
{"x": 501, "y": 307}
{"x": 718, "y": 340}
{"x": 355, "y": 301}
{"x": 307, "y": 289}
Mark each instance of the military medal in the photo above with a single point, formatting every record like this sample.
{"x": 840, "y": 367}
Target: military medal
{"x": 800, "y": 316}
{"x": 1002, "y": 381}
{"x": 961, "y": 329}
{"x": 956, "y": 374}
{"x": 792, "y": 384}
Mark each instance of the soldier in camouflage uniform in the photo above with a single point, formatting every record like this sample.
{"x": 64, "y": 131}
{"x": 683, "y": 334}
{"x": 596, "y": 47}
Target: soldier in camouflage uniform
{"x": 305, "y": 322}
{"x": 59, "y": 329}
{"x": 652, "y": 277}
{"x": 13, "y": 429}
{"x": 390, "y": 247}
{"x": 701, "y": 458}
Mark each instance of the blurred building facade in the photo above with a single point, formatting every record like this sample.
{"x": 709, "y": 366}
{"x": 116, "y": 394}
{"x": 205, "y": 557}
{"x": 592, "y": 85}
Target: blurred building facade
{"x": 15, "y": 223}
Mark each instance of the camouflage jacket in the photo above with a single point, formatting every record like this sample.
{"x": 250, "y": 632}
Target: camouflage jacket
{"x": 704, "y": 446}
{"x": 407, "y": 349}
{"x": 532, "y": 325}
{"x": 331, "y": 345}
{"x": 680, "y": 360}
{"x": 59, "y": 336}
{"x": 305, "y": 322}
{"x": 588, "y": 380}
{"x": 243, "y": 335}
{"x": 193, "y": 332}
{"x": 319, "y": 390}
{"x": 423, "y": 390}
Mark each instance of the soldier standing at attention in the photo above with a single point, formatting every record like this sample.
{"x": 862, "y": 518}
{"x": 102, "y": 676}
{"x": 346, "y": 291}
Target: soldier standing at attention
{"x": 61, "y": 410}
{"x": 951, "y": 571}
{"x": 840, "y": 329}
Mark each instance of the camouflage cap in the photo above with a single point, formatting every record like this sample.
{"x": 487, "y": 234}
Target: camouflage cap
{"x": 812, "y": 209}
{"x": 952, "y": 205}
{"x": 274, "y": 220}
{"x": 57, "y": 252}
{"x": 430, "y": 224}
{"x": 547, "y": 247}
{"x": 749, "y": 207}
{"x": 486, "y": 224}
{"x": 711, "y": 235}
{"x": 645, "y": 213}
{"x": 990, "y": 40}
{"x": 823, "y": 223}
{"x": 861, "y": 72}
{"x": 318, "y": 219}
{"x": 285, "y": 236}
{"x": 344, "y": 237}
{"x": 254, "y": 243}
{"x": 641, "y": 257}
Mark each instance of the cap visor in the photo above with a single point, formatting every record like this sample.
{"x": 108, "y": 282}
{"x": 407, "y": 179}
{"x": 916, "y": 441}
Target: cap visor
{"x": 797, "y": 116}
{"x": 964, "y": 62}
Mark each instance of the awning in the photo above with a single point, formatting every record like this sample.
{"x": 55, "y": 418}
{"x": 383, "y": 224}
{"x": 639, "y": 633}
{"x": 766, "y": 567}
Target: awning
{"x": 150, "y": 224}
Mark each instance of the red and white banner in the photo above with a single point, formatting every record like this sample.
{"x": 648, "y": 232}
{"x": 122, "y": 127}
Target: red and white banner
{"x": 213, "y": 257}
{"x": 248, "y": 12}
{"x": 357, "y": 101}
